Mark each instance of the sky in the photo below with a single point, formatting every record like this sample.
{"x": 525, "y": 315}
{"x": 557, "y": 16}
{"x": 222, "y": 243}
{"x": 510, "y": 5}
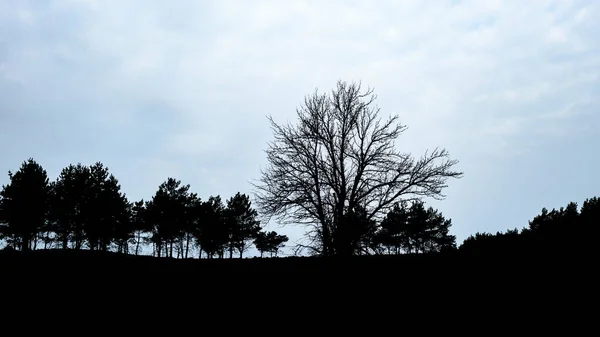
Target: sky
{"x": 156, "y": 89}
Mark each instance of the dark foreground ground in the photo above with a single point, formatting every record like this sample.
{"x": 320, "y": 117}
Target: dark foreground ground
{"x": 505, "y": 282}
{"x": 451, "y": 263}
{"x": 466, "y": 291}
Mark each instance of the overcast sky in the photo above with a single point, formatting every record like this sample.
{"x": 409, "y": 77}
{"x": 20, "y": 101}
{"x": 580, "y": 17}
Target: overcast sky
{"x": 157, "y": 89}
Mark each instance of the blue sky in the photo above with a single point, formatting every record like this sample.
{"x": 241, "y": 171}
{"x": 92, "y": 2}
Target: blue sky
{"x": 157, "y": 89}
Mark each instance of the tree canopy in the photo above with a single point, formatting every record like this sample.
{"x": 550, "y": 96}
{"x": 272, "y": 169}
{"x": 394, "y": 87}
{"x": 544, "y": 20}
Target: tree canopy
{"x": 85, "y": 209}
{"x": 341, "y": 157}
{"x": 25, "y": 206}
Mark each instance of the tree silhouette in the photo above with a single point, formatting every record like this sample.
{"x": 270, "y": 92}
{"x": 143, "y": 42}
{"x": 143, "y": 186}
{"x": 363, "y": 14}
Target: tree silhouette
{"x": 190, "y": 223}
{"x": 25, "y": 204}
{"x": 139, "y": 224}
{"x": 269, "y": 242}
{"x": 124, "y": 228}
{"x": 415, "y": 229}
{"x": 429, "y": 229}
{"x": 566, "y": 228}
{"x": 590, "y": 216}
{"x": 242, "y": 223}
{"x": 67, "y": 213}
{"x": 105, "y": 208}
{"x": 4, "y": 235}
{"x": 395, "y": 232}
{"x": 339, "y": 157}
{"x": 168, "y": 213}
{"x": 213, "y": 233}
{"x": 499, "y": 243}
{"x": 556, "y": 223}
{"x": 197, "y": 217}
{"x": 356, "y": 232}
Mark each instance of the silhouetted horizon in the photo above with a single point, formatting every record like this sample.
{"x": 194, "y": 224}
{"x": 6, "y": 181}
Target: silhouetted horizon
{"x": 337, "y": 172}
{"x": 213, "y": 229}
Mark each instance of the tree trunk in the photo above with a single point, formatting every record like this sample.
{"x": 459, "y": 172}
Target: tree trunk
{"x": 326, "y": 239}
{"x": 24, "y": 243}
{"x": 137, "y": 243}
{"x": 187, "y": 245}
{"x": 78, "y": 239}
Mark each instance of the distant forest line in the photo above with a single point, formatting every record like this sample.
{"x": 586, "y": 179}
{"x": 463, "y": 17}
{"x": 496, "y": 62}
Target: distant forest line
{"x": 84, "y": 208}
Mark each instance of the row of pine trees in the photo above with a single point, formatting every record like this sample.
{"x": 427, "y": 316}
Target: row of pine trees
{"x": 568, "y": 228}
{"x": 85, "y": 208}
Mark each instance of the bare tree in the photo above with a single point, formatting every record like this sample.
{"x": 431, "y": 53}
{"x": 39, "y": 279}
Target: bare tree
{"x": 341, "y": 157}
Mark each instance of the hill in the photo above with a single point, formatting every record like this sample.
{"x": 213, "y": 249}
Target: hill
{"x": 450, "y": 263}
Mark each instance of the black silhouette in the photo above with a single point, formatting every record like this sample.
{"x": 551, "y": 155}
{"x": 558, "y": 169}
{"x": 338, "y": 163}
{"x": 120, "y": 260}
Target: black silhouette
{"x": 242, "y": 223}
{"x": 84, "y": 211}
{"x": 337, "y": 172}
{"x": 269, "y": 242}
{"x": 414, "y": 229}
{"x": 67, "y": 211}
{"x": 25, "y": 205}
{"x": 212, "y": 234}
{"x": 168, "y": 213}
{"x": 564, "y": 230}
{"x": 339, "y": 158}
{"x": 139, "y": 225}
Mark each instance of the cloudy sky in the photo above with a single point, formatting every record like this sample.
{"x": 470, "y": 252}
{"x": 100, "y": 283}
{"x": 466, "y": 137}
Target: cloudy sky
{"x": 157, "y": 89}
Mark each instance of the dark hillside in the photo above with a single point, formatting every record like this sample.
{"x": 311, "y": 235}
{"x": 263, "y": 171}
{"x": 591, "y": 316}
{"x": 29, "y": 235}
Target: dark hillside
{"x": 418, "y": 265}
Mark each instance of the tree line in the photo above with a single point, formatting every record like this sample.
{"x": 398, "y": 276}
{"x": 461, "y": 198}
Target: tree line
{"x": 337, "y": 172}
{"x": 568, "y": 228}
{"x": 84, "y": 208}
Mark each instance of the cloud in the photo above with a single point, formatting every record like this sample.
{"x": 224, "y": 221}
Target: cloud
{"x": 182, "y": 88}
